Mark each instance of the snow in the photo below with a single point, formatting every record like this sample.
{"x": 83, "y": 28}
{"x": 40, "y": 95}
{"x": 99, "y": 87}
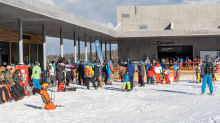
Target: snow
{"x": 149, "y": 104}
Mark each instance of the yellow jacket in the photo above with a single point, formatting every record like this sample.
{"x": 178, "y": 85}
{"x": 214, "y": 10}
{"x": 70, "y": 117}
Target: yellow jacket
{"x": 90, "y": 70}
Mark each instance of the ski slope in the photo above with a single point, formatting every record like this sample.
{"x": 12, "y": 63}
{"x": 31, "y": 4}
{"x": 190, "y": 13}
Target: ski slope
{"x": 149, "y": 104}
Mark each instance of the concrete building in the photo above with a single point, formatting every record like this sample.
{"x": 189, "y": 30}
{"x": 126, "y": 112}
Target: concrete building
{"x": 153, "y": 31}
{"x": 167, "y": 31}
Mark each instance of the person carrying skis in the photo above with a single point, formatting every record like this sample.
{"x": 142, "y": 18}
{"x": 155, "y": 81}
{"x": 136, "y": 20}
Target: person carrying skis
{"x": 175, "y": 69}
{"x": 46, "y": 98}
{"x": 126, "y": 81}
{"x": 131, "y": 71}
{"x": 158, "y": 70}
{"x": 36, "y": 71}
{"x": 166, "y": 72}
{"x": 150, "y": 75}
{"x": 207, "y": 73}
{"x": 142, "y": 73}
{"x": 89, "y": 74}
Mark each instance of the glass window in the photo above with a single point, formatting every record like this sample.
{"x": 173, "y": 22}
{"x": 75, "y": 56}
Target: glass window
{"x": 14, "y": 53}
{"x": 25, "y": 52}
{"x": 33, "y": 52}
{"x": 40, "y": 55}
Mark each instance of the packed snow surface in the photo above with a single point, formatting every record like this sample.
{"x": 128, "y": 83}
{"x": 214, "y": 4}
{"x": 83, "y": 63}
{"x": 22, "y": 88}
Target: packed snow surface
{"x": 150, "y": 104}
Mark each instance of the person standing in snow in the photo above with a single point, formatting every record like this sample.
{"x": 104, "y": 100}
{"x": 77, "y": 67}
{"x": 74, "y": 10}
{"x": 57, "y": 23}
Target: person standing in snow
{"x": 131, "y": 71}
{"x": 158, "y": 70}
{"x": 142, "y": 73}
{"x": 147, "y": 67}
{"x": 166, "y": 72}
{"x": 36, "y": 71}
{"x": 207, "y": 72}
{"x": 175, "y": 70}
{"x": 89, "y": 76}
{"x": 150, "y": 75}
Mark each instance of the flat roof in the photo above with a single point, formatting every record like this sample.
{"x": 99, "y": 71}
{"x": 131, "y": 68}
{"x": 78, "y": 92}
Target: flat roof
{"x": 34, "y": 13}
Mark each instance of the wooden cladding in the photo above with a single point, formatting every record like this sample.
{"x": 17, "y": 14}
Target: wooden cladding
{"x": 13, "y": 36}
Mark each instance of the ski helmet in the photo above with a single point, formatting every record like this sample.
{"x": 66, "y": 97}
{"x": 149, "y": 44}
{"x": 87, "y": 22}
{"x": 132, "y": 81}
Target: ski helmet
{"x": 44, "y": 86}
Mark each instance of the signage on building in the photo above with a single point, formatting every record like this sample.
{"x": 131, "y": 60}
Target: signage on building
{"x": 164, "y": 43}
{"x": 170, "y": 49}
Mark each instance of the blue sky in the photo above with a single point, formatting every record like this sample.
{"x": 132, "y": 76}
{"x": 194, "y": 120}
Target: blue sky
{"x": 103, "y": 12}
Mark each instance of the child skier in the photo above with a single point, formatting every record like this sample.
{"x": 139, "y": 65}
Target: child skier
{"x": 150, "y": 75}
{"x": 126, "y": 81}
{"x": 46, "y": 98}
{"x": 198, "y": 71}
{"x": 166, "y": 72}
{"x": 158, "y": 70}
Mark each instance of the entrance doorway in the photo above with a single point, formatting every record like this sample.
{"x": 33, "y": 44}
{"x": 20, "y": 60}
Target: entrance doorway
{"x": 4, "y": 60}
{"x": 175, "y": 51}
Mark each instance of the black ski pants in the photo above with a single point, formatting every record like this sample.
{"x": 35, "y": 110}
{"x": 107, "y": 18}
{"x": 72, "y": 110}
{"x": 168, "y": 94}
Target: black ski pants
{"x": 6, "y": 93}
{"x": 68, "y": 76}
{"x": 15, "y": 93}
{"x": 90, "y": 79}
{"x": 132, "y": 83}
{"x": 81, "y": 76}
{"x": 142, "y": 80}
{"x": 96, "y": 77}
{"x": 20, "y": 89}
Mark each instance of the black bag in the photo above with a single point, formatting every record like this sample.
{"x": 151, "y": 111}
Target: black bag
{"x": 150, "y": 68}
{"x": 209, "y": 68}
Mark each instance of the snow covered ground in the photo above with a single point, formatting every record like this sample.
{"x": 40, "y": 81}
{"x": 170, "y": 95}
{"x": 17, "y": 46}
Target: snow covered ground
{"x": 149, "y": 104}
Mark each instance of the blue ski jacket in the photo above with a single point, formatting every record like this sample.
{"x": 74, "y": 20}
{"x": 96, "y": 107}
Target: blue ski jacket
{"x": 175, "y": 67}
{"x": 131, "y": 70}
{"x": 147, "y": 67}
{"x": 127, "y": 78}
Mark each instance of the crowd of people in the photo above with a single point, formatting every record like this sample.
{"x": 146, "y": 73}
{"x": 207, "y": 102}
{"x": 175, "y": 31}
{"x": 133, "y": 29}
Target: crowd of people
{"x": 64, "y": 72}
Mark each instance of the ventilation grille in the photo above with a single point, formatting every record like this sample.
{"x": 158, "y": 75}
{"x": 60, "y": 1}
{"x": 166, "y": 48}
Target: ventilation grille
{"x": 143, "y": 27}
{"x": 125, "y": 15}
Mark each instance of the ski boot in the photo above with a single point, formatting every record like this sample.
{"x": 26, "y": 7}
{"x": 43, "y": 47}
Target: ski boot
{"x": 202, "y": 93}
{"x": 211, "y": 93}
{"x": 128, "y": 90}
{"x": 10, "y": 100}
{"x": 97, "y": 87}
{"x": 123, "y": 90}
{"x": 148, "y": 83}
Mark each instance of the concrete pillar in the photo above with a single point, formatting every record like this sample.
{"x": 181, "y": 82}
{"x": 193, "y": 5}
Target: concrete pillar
{"x": 61, "y": 42}
{"x": 105, "y": 51}
{"x": 78, "y": 49}
{"x": 86, "y": 47}
{"x": 20, "y": 40}
{"x": 74, "y": 36}
{"x": 90, "y": 50}
{"x": 110, "y": 49}
{"x": 44, "y": 46}
{"x": 101, "y": 45}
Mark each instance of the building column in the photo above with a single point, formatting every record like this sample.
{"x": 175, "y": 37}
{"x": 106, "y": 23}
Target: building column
{"x": 9, "y": 44}
{"x": 61, "y": 42}
{"x": 86, "y": 47}
{"x": 37, "y": 52}
{"x": 110, "y": 49}
{"x": 74, "y": 36}
{"x": 90, "y": 50}
{"x": 78, "y": 49}
{"x": 105, "y": 50}
{"x": 101, "y": 45}
{"x": 44, "y": 46}
{"x": 20, "y": 40}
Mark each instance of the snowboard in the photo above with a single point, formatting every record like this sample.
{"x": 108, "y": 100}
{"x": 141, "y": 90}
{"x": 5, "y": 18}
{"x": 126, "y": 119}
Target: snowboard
{"x": 70, "y": 88}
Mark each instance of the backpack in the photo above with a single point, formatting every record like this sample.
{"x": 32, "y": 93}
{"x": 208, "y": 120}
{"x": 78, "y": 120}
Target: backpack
{"x": 87, "y": 72}
{"x": 209, "y": 68}
{"x": 150, "y": 68}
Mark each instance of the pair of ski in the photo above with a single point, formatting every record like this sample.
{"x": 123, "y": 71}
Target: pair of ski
{"x": 55, "y": 106}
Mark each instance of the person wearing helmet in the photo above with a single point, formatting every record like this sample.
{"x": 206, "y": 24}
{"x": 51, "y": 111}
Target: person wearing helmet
{"x": 131, "y": 71}
{"x": 97, "y": 73}
{"x": 36, "y": 71}
{"x": 80, "y": 71}
{"x": 110, "y": 70}
{"x": 59, "y": 71}
{"x": 207, "y": 72}
{"x": 46, "y": 98}
{"x": 126, "y": 81}
{"x": 158, "y": 70}
{"x": 17, "y": 82}
{"x": 141, "y": 72}
{"x": 89, "y": 74}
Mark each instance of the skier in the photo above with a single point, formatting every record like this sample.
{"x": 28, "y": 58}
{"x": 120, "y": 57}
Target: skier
{"x": 158, "y": 70}
{"x": 147, "y": 67}
{"x": 36, "y": 71}
{"x": 150, "y": 75}
{"x": 46, "y": 98}
{"x": 175, "y": 69}
{"x": 198, "y": 73}
{"x": 166, "y": 72}
{"x": 80, "y": 71}
{"x": 89, "y": 74}
{"x": 131, "y": 71}
{"x": 96, "y": 72}
{"x": 126, "y": 81}
{"x": 105, "y": 71}
{"x": 52, "y": 73}
{"x": 110, "y": 71}
{"x": 69, "y": 68}
{"x": 17, "y": 82}
{"x": 59, "y": 71}
{"x": 207, "y": 72}
{"x": 141, "y": 72}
